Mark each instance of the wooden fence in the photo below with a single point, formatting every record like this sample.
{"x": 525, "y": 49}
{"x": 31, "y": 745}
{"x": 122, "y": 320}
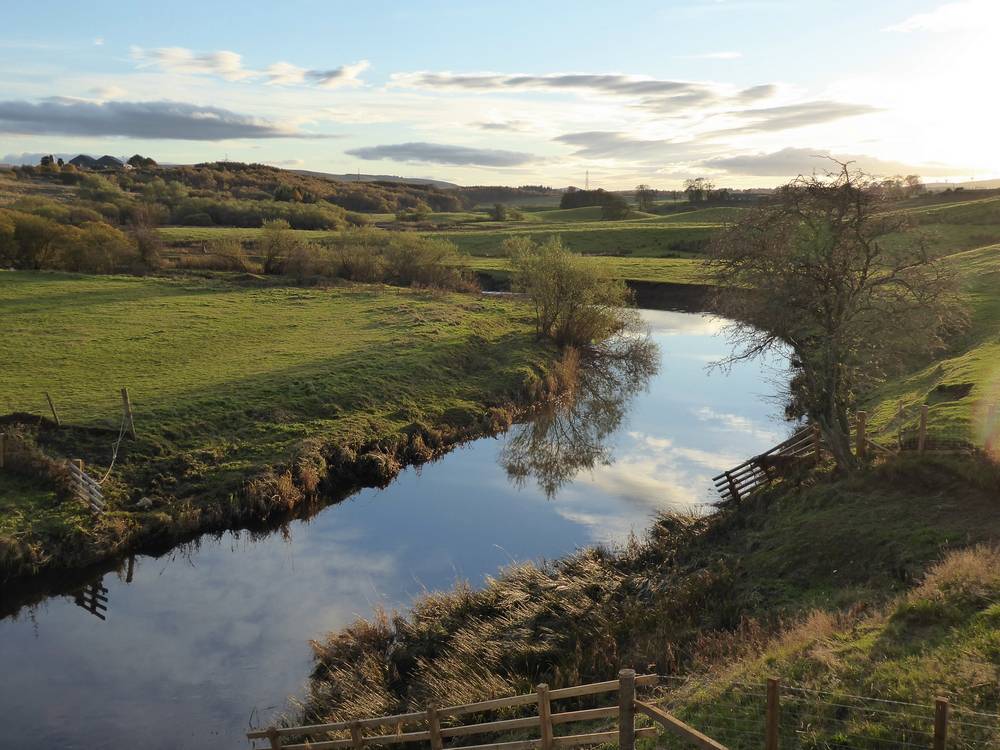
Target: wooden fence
{"x": 760, "y": 470}
{"x": 807, "y": 444}
{"x": 436, "y": 732}
{"x": 86, "y": 487}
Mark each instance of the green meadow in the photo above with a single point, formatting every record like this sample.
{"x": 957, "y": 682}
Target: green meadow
{"x": 229, "y": 377}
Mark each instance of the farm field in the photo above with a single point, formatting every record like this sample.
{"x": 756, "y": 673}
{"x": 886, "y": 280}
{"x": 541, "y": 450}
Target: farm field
{"x": 228, "y": 378}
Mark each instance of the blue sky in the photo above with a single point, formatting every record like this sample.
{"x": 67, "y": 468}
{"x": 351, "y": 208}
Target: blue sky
{"x": 747, "y": 92}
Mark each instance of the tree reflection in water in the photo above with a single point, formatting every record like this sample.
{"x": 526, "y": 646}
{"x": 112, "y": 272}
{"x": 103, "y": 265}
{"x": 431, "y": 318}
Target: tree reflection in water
{"x": 568, "y": 437}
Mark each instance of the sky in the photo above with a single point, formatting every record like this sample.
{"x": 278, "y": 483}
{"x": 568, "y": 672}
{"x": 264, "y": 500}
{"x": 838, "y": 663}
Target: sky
{"x": 743, "y": 92}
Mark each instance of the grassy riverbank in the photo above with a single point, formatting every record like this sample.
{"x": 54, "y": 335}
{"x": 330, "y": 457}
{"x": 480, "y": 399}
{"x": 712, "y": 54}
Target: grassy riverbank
{"x": 246, "y": 392}
{"x": 819, "y": 580}
{"x": 692, "y": 595}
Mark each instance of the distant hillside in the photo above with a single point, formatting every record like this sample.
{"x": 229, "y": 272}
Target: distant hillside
{"x": 969, "y": 185}
{"x": 357, "y": 177}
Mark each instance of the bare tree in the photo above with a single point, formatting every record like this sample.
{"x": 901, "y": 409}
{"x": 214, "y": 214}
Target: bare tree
{"x": 821, "y": 284}
{"x": 644, "y": 197}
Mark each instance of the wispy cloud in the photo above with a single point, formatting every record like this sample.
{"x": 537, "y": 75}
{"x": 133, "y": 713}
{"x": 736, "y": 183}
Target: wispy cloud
{"x": 229, "y": 66}
{"x": 599, "y": 144}
{"x": 789, "y": 162}
{"x": 960, "y": 16}
{"x": 162, "y": 119}
{"x": 514, "y": 126}
{"x": 792, "y": 116}
{"x": 442, "y": 153}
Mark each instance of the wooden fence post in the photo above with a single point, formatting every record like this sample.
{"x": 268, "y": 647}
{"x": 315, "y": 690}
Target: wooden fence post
{"x": 922, "y": 431}
{"x": 626, "y": 709}
{"x": 357, "y": 740}
{"x": 817, "y": 443}
{"x": 545, "y": 715}
{"x": 274, "y": 738}
{"x": 862, "y": 436}
{"x": 773, "y": 714}
{"x": 434, "y": 727}
{"x": 127, "y": 406}
{"x": 732, "y": 487}
{"x": 52, "y": 406}
{"x": 940, "y": 723}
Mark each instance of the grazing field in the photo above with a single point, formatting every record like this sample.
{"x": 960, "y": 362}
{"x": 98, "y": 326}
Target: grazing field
{"x": 231, "y": 376}
{"x": 662, "y": 270}
{"x": 962, "y": 387}
{"x": 642, "y": 238}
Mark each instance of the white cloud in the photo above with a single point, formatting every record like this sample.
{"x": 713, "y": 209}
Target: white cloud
{"x": 970, "y": 15}
{"x": 789, "y": 162}
{"x": 223, "y": 63}
{"x": 229, "y": 66}
{"x": 103, "y": 93}
{"x": 442, "y": 153}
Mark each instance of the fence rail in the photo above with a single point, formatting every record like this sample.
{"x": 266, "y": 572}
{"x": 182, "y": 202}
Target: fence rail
{"x": 771, "y": 715}
{"x": 545, "y": 721}
{"x": 906, "y": 432}
{"x": 86, "y": 487}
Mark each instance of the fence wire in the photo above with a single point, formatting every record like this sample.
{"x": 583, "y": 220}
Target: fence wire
{"x": 819, "y": 720}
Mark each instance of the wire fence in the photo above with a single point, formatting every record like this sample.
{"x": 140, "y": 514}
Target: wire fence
{"x": 937, "y": 427}
{"x": 814, "y": 719}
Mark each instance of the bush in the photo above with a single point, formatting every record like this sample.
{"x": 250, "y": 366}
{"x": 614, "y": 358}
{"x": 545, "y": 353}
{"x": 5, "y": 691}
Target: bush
{"x": 277, "y": 242}
{"x": 97, "y": 247}
{"x": 97, "y": 188}
{"x": 419, "y": 261}
{"x": 8, "y": 245}
{"x": 38, "y": 240}
{"x": 307, "y": 261}
{"x": 614, "y": 209}
{"x": 575, "y": 302}
{"x": 358, "y": 262}
{"x": 229, "y": 254}
{"x": 149, "y": 246}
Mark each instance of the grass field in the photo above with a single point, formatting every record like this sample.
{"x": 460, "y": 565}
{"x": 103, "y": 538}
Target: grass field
{"x": 963, "y": 387}
{"x": 663, "y": 270}
{"x": 229, "y": 377}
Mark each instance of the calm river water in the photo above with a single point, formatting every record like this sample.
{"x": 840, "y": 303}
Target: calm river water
{"x": 212, "y": 637}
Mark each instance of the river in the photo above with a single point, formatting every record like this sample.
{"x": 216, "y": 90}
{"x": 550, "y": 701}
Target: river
{"x": 204, "y": 641}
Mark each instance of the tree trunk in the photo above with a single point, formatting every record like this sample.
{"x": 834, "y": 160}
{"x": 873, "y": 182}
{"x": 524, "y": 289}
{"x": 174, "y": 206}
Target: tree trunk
{"x": 838, "y": 442}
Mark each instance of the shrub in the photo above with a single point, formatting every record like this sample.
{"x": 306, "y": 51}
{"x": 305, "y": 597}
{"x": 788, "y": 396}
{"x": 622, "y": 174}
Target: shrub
{"x": 420, "y": 261}
{"x": 355, "y": 219}
{"x": 277, "y": 242}
{"x": 149, "y": 246}
{"x": 38, "y": 240}
{"x": 307, "y": 261}
{"x": 229, "y": 253}
{"x": 96, "y": 247}
{"x": 97, "y": 188}
{"x": 575, "y": 302}
{"x": 8, "y": 245}
{"x": 358, "y": 262}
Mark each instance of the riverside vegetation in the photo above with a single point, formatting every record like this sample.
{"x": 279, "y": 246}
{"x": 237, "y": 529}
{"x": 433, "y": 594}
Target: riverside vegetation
{"x": 811, "y": 579}
{"x": 869, "y": 580}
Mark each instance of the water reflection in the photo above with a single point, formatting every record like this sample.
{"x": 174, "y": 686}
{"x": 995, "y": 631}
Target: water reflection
{"x": 572, "y": 436}
{"x": 216, "y": 633}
